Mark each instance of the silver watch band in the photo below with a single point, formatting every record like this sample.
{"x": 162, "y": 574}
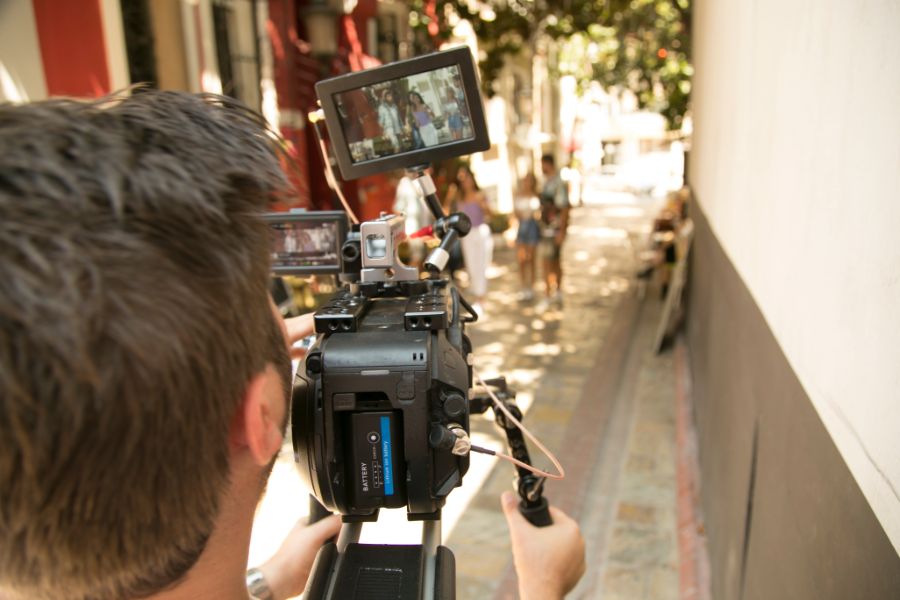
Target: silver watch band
{"x": 257, "y": 585}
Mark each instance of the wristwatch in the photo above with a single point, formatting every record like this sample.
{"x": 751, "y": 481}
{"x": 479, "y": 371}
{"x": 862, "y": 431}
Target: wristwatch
{"x": 257, "y": 585}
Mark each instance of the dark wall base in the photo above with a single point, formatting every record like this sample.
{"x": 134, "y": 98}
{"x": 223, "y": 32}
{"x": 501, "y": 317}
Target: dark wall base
{"x": 785, "y": 517}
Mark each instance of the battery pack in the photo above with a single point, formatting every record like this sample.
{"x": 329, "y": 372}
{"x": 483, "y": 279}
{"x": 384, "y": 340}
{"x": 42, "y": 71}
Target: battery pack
{"x": 377, "y": 459}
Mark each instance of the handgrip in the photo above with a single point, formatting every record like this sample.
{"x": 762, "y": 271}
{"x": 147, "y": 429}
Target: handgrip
{"x": 538, "y": 514}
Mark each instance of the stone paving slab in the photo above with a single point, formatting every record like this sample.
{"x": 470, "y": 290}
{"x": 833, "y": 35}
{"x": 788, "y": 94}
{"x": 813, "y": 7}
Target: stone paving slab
{"x": 627, "y": 499}
{"x": 549, "y": 357}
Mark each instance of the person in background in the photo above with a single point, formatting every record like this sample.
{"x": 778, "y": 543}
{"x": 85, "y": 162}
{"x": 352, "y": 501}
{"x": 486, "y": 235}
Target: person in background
{"x": 665, "y": 235}
{"x": 476, "y": 250}
{"x": 454, "y": 118}
{"x": 424, "y": 117}
{"x": 407, "y": 201}
{"x": 554, "y": 222}
{"x": 449, "y": 203}
{"x": 572, "y": 176}
{"x": 528, "y": 234}
{"x": 389, "y": 119}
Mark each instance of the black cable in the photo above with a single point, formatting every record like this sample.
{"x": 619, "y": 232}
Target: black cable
{"x": 469, "y": 308}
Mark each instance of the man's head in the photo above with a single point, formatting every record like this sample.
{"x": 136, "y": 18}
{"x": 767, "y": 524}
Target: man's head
{"x": 133, "y": 312}
{"x": 548, "y": 165}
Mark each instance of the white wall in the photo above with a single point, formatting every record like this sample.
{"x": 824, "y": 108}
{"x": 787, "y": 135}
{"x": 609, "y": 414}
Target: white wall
{"x": 21, "y": 69}
{"x": 796, "y": 163}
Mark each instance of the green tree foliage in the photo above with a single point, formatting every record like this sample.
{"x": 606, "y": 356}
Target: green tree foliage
{"x": 640, "y": 45}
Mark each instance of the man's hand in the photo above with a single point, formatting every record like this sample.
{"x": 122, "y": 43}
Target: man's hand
{"x": 297, "y": 329}
{"x": 287, "y": 571}
{"x": 549, "y": 560}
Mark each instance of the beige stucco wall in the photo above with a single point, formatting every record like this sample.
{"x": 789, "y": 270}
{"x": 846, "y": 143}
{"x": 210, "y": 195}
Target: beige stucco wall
{"x": 21, "y": 70}
{"x": 168, "y": 44}
{"x": 796, "y": 163}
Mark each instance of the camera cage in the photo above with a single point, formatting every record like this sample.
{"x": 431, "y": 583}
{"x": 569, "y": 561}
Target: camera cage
{"x": 329, "y": 92}
{"x": 432, "y": 307}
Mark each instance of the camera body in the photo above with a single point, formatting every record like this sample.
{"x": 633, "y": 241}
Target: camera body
{"x": 375, "y": 404}
{"x": 382, "y": 401}
{"x": 384, "y": 386}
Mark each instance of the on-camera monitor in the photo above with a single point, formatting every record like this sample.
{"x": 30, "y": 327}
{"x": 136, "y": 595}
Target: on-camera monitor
{"x": 306, "y": 243}
{"x": 405, "y": 114}
{"x": 410, "y": 113}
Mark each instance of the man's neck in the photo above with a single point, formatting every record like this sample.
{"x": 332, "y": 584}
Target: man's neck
{"x": 220, "y": 572}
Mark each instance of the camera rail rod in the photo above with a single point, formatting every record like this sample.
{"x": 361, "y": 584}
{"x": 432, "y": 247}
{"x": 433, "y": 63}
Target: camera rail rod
{"x": 449, "y": 228}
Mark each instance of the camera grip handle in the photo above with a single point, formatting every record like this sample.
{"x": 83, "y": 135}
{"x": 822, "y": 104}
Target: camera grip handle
{"x": 537, "y": 513}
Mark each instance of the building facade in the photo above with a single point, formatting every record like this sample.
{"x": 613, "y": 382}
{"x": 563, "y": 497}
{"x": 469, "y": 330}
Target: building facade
{"x": 793, "y": 326}
{"x": 266, "y": 53}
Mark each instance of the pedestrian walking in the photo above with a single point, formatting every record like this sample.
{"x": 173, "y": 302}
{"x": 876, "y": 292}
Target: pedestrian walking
{"x": 424, "y": 118}
{"x": 554, "y": 221}
{"x": 528, "y": 234}
{"x": 476, "y": 245}
{"x": 454, "y": 118}
{"x": 389, "y": 119}
{"x": 407, "y": 202}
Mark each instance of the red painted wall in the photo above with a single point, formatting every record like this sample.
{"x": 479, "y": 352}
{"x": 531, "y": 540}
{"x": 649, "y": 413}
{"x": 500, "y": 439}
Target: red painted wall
{"x": 296, "y": 72}
{"x": 72, "y": 47}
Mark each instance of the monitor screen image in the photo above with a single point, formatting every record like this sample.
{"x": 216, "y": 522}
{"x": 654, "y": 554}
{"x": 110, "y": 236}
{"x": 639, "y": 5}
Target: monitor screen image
{"x": 304, "y": 244}
{"x": 410, "y": 113}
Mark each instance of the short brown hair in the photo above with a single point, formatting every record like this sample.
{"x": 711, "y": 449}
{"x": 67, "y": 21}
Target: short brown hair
{"x": 133, "y": 311}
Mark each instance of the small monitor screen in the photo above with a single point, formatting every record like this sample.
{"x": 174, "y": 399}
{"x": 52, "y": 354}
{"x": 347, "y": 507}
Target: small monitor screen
{"x": 414, "y": 112}
{"x": 301, "y": 245}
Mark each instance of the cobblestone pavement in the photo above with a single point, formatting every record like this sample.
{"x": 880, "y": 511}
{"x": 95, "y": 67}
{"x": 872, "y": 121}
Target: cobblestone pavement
{"x": 633, "y": 544}
{"x": 585, "y": 365}
{"x": 548, "y": 358}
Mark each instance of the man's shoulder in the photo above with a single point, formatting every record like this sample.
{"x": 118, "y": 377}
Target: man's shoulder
{"x": 559, "y": 189}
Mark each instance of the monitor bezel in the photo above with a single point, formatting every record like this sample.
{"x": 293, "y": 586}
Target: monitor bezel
{"x": 461, "y": 57}
{"x": 338, "y": 217}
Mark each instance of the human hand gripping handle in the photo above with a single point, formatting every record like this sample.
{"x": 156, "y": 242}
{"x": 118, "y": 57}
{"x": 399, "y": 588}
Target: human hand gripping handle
{"x": 287, "y": 571}
{"x": 549, "y": 560}
{"x": 537, "y": 513}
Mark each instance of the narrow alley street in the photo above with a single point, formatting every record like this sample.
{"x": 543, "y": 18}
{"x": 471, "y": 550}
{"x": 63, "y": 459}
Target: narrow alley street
{"x": 600, "y": 398}
{"x": 717, "y": 373}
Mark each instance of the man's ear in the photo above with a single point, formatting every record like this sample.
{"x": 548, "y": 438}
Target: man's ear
{"x": 257, "y": 424}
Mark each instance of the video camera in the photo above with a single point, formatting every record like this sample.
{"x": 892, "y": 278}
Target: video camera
{"x": 381, "y": 404}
